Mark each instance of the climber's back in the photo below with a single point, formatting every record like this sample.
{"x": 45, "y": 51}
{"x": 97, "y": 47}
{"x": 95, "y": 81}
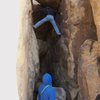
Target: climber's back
{"x": 46, "y": 91}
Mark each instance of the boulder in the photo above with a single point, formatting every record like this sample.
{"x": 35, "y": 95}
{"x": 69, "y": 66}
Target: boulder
{"x": 61, "y": 93}
{"x": 89, "y": 70}
{"x": 27, "y": 67}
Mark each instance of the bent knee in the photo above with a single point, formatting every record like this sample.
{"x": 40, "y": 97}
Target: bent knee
{"x": 50, "y": 17}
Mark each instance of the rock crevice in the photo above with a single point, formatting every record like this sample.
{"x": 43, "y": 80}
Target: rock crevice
{"x": 73, "y": 60}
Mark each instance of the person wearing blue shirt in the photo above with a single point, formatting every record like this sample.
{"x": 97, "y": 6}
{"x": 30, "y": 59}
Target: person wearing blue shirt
{"x": 46, "y": 91}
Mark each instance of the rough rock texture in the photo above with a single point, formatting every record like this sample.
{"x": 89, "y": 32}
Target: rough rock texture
{"x": 76, "y": 25}
{"x": 61, "y": 93}
{"x": 96, "y": 13}
{"x": 61, "y": 58}
{"x": 27, "y": 57}
{"x": 89, "y": 70}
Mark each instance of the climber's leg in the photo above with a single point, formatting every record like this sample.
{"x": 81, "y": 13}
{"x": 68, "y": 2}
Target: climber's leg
{"x": 51, "y": 18}
{"x": 41, "y": 22}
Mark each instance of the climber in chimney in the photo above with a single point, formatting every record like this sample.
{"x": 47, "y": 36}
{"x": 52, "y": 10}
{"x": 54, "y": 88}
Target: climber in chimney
{"x": 50, "y": 15}
{"x": 46, "y": 91}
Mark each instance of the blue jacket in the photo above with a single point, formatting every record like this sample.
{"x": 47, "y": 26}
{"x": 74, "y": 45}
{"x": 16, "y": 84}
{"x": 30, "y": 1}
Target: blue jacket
{"x": 46, "y": 91}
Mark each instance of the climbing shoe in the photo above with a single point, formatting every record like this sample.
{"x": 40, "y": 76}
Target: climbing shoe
{"x": 58, "y": 36}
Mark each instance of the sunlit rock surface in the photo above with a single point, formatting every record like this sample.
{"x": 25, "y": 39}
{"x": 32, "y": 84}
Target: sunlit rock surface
{"x": 95, "y": 4}
{"x": 27, "y": 67}
{"x": 89, "y": 70}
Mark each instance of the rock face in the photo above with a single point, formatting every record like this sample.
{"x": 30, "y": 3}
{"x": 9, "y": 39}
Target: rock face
{"x": 61, "y": 93}
{"x": 27, "y": 68}
{"x": 73, "y": 60}
{"x": 89, "y": 70}
{"x": 96, "y": 14}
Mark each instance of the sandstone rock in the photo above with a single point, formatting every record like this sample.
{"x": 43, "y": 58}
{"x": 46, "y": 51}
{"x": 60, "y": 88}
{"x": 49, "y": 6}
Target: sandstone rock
{"x": 61, "y": 93}
{"x": 76, "y": 24}
{"x": 77, "y": 28}
{"x": 88, "y": 70}
{"x": 27, "y": 67}
{"x": 60, "y": 57}
{"x": 96, "y": 14}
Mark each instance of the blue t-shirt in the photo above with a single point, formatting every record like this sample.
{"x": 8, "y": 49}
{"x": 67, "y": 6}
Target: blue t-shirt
{"x": 46, "y": 91}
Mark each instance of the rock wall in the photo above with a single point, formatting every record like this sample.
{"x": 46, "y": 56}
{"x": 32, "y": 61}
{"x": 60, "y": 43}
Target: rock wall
{"x": 27, "y": 68}
{"x": 73, "y": 60}
{"x": 89, "y": 70}
{"x": 96, "y": 14}
{"x": 61, "y": 93}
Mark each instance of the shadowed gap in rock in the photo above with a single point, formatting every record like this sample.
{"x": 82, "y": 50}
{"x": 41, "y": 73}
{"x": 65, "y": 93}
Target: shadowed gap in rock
{"x": 45, "y": 33}
{"x": 98, "y": 64}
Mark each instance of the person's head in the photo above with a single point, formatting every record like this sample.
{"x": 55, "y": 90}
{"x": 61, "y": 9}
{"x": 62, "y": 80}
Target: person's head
{"x": 47, "y": 79}
{"x": 98, "y": 97}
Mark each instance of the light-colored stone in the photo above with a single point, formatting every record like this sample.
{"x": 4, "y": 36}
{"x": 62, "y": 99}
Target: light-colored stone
{"x": 96, "y": 10}
{"x": 88, "y": 70}
{"x": 96, "y": 14}
{"x": 76, "y": 20}
{"x": 60, "y": 57}
{"x": 61, "y": 93}
{"x": 27, "y": 67}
